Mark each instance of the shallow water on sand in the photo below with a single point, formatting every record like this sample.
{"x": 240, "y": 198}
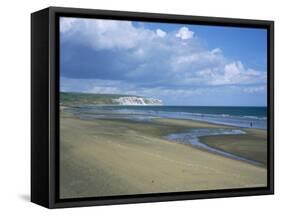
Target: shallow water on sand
{"x": 193, "y": 137}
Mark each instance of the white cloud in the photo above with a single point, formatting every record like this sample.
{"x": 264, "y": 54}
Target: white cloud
{"x": 184, "y": 33}
{"x": 153, "y": 57}
{"x": 198, "y": 57}
{"x": 160, "y": 33}
{"x": 254, "y": 89}
{"x": 105, "y": 34}
{"x": 216, "y": 51}
{"x": 236, "y": 73}
{"x": 66, "y": 24}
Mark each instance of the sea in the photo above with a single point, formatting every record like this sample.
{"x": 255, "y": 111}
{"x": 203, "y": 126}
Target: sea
{"x": 244, "y": 117}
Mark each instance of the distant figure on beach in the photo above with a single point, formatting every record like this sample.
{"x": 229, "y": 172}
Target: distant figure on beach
{"x": 251, "y": 124}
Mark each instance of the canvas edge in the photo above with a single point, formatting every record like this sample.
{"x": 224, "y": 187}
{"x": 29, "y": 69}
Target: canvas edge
{"x": 53, "y": 202}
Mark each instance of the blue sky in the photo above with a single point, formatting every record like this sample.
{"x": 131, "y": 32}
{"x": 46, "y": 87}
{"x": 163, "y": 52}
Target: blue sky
{"x": 180, "y": 64}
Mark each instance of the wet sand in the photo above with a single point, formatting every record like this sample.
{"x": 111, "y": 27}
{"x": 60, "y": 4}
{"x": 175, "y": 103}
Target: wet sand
{"x": 252, "y": 145}
{"x": 118, "y": 157}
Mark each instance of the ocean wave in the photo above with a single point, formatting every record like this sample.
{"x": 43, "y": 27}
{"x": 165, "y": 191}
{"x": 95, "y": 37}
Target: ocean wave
{"x": 224, "y": 118}
{"x": 255, "y": 117}
{"x": 180, "y": 113}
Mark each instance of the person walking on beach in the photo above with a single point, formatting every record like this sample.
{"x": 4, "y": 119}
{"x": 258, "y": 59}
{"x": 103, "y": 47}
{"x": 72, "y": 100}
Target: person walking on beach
{"x": 251, "y": 124}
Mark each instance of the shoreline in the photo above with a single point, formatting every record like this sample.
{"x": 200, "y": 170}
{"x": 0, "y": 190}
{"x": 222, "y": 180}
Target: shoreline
{"x": 141, "y": 112}
{"x": 202, "y": 141}
{"x": 116, "y": 157}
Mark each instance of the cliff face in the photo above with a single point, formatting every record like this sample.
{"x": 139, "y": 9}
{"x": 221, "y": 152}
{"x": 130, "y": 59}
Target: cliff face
{"x": 131, "y": 100}
{"x": 77, "y": 99}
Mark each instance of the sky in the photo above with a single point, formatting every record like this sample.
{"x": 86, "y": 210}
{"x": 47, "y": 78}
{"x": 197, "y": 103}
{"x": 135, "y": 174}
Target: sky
{"x": 180, "y": 64}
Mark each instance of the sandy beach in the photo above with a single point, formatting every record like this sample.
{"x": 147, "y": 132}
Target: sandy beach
{"x": 158, "y": 107}
{"x": 104, "y": 157}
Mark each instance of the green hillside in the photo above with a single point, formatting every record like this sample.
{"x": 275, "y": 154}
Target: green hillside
{"x": 72, "y": 99}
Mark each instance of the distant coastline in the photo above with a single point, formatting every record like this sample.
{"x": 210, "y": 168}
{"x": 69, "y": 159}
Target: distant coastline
{"x": 142, "y": 108}
{"x": 72, "y": 98}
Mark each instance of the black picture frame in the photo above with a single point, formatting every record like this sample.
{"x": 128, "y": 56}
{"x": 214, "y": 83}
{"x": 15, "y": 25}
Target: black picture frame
{"x": 45, "y": 106}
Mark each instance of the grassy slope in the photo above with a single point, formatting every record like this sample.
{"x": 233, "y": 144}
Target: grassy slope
{"x": 72, "y": 99}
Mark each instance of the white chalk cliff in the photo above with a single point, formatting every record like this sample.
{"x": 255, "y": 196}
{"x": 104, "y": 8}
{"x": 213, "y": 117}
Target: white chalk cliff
{"x": 132, "y": 100}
